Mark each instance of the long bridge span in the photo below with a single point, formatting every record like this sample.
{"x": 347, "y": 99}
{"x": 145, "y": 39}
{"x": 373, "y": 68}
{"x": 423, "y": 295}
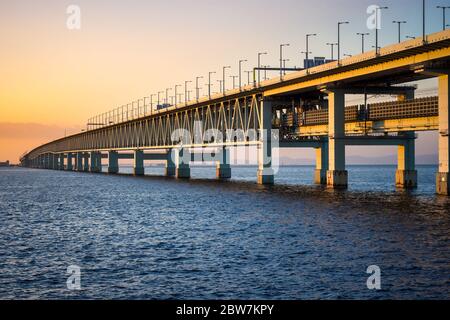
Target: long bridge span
{"x": 304, "y": 109}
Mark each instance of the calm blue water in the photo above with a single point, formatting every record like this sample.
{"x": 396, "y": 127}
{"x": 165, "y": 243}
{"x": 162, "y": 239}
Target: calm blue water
{"x": 157, "y": 238}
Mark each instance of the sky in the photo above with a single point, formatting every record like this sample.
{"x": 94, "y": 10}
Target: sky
{"x": 53, "y": 79}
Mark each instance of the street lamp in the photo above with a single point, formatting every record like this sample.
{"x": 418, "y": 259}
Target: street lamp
{"x": 248, "y": 76}
{"x": 363, "y": 36}
{"x": 240, "y": 73}
{"x": 197, "y": 89}
{"x": 339, "y": 40}
{"x": 167, "y": 95}
{"x": 377, "y": 10}
{"x": 223, "y": 81}
{"x": 443, "y": 15}
{"x": 332, "y": 49}
{"x": 234, "y": 81}
{"x": 159, "y": 98}
{"x": 424, "y": 28}
{"x": 186, "y": 91}
{"x": 176, "y": 94}
{"x": 399, "y": 29}
{"x": 284, "y": 65}
{"x": 209, "y": 83}
{"x": 259, "y": 65}
{"x": 281, "y": 59}
{"x": 307, "y": 47}
{"x": 220, "y": 85}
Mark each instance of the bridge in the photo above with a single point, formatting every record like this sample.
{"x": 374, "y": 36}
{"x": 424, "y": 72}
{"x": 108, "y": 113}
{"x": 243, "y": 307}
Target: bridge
{"x": 303, "y": 109}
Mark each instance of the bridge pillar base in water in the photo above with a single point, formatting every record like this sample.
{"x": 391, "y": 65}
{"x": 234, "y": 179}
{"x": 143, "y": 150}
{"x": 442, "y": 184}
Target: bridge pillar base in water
{"x": 96, "y": 162}
{"x": 337, "y": 179}
{"x": 223, "y": 172}
{"x": 138, "y": 168}
{"x": 183, "y": 172}
{"x": 320, "y": 176}
{"x": 406, "y": 179}
{"x": 266, "y": 177}
{"x": 113, "y": 162}
{"x": 171, "y": 171}
{"x": 442, "y": 183}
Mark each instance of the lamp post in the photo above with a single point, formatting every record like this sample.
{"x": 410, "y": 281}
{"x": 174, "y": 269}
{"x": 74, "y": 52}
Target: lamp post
{"x": 209, "y": 83}
{"x": 332, "y": 49}
{"x": 284, "y": 65}
{"x": 159, "y": 98}
{"x": 399, "y": 29}
{"x": 197, "y": 89}
{"x": 176, "y": 93}
{"x": 259, "y": 65}
{"x": 307, "y": 47}
{"x": 363, "y": 36}
{"x": 339, "y": 40}
{"x": 186, "y": 91}
{"x": 234, "y": 81}
{"x": 248, "y": 76}
{"x": 167, "y": 95}
{"x": 223, "y": 79}
{"x": 281, "y": 59}
{"x": 240, "y": 73}
{"x": 377, "y": 12}
{"x": 443, "y": 15}
{"x": 220, "y": 85}
{"x": 151, "y": 102}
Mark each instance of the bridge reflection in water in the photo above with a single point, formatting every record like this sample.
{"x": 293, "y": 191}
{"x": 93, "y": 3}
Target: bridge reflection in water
{"x": 304, "y": 109}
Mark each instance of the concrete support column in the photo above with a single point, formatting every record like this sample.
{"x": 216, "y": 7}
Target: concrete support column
{"x": 337, "y": 176}
{"x": 95, "y": 162}
{"x": 138, "y": 168}
{"x": 61, "y": 161}
{"x": 52, "y": 161}
{"x": 442, "y": 178}
{"x": 265, "y": 171}
{"x": 320, "y": 175}
{"x": 223, "y": 168}
{"x": 86, "y": 162}
{"x": 69, "y": 166}
{"x": 113, "y": 162}
{"x": 406, "y": 175}
{"x": 170, "y": 164}
{"x": 182, "y": 160}
{"x": 79, "y": 161}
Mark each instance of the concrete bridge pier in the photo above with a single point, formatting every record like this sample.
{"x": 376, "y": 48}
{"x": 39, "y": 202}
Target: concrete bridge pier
{"x": 69, "y": 166}
{"x": 320, "y": 174}
{"x": 337, "y": 176}
{"x": 95, "y": 162}
{"x": 265, "y": 173}
{"x": 170, "y": 164}
{"x": 53, "y": 162}
{"x": 61, "y": 161}
{"x": 86, "y": 162}
{"x": 442, "y": 178}
{"x": 79, "y": 162}
{"x": 182, "y": 160}
{"x": 113, "y": 162}
{"x": 406, "y": 175}
{"x": 138, "y": 167}
{"x": 223, "y": 168}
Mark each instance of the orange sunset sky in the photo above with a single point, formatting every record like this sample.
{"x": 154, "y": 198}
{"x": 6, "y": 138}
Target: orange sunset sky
{"x": 53, "y": 79}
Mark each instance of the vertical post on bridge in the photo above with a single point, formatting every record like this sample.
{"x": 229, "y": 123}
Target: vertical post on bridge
{"x": 265, "y": 170}
{"x": 69, "y": 162}
{"x": 406, "y": 175}
{"x": 138, "y": 168}
{"x": 61, "y": 161}
{"x": 95, "y": 162}
{"x": 182, "y": 160}
{"x": 113, "y": 162}
{"x": 337, "y": 176}
{"x": 170, "y": 164}
{"x": 442, "y": 178}
{"x": 223, "y": 168}
{"x": 86, "y": 162}
{"x": 320, "y": 175}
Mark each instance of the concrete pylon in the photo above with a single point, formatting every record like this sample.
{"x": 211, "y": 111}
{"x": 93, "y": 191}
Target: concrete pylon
{"x": 265, "y": 175}
{"x": 170, "y": 164}
{"x": 337, "y": 175}
{"x": 223, "y": 168}
{"x": 320, "y": 174}
{"x": 69, "y": 166}
{"x": 138, "y": 168}
{"x": 182, "y": 160}
{"x": 61, "y": 161}
{"x": 86, "y": 162}
{"x": 406, "y": 175}
{"x": 95, "y": 165}
{"x": 113, "y": 162}
{"x": 79, "y": 161}
{"x": 442, "y": 177}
